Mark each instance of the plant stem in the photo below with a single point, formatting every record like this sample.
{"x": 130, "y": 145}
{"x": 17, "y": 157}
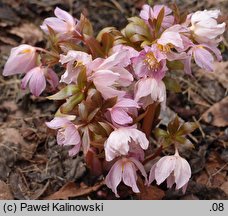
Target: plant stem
{"x": 46, "y": 51}
{"x": 149, "y": 119}
{"x": 151, "y": 157}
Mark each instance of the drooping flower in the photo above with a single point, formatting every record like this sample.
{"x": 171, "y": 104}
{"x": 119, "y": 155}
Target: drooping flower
{"x": 67, "y": 134}
{"x": 150, "y": 90}
{"x": 174, "y": 169}
{"x": 152, "y": 13}
{"x": 203, "y": 57}
{"x": 205, "y": 27}
{"x": 125, "y": 169}
{"x": 36, "y": 78}
{"x": 62, "y": 23}
{"x": 22, "y": 59}
{"x": 151, "y": 62}
{"x": 75, "y": 61}
{"x": 119, "y": 113}
{"x": 119, "y": 140}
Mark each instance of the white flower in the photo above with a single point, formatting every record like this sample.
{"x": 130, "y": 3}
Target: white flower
{"x": 205, "y": 25}
{"x": 119, "y": 140}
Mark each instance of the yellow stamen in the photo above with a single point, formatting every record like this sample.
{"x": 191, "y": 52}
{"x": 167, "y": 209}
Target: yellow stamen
{"x": 25, "y": 51}
{"x": 165, "y": 48}
{"x": 151, "y": 61}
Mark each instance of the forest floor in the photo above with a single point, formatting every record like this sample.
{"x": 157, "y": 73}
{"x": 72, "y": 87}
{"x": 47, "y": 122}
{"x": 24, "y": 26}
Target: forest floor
{"x": 33, "y": 166}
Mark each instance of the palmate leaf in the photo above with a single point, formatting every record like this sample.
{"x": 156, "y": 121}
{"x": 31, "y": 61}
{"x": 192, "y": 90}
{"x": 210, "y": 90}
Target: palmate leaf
{"x": 85, "y": 26}
{"x": 82, "y": 79}
{"x": 71, "y": 102}
{"x": 187, "y": 128}
{"x": 94, "y": 46}
{"x": 175, "y": 133}
{"x": 159, "y": 20}
{"x": 137, "y": 30}
{"x": 173, "y": 126}
{"x": 107, "y": 42}
{"x": 65, "y": 93}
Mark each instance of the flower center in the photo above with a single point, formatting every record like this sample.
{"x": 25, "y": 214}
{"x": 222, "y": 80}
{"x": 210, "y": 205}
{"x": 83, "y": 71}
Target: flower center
{"x": 165, "y": 48}
{"x": 151, "y": 61}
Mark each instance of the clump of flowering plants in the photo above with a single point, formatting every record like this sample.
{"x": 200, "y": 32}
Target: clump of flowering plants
{"x": 114, "y": 86}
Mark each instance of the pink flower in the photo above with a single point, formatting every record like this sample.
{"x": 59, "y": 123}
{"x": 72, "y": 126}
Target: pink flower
{"x": 203, "y": 57}
{"x": 150, "y": 62}
{"x": 205, "y": 27}
{"x": 120, "y": 111}
{"x": 64, "y": 23}
{"x": 171, "y": 37}
{"x": 131, "y": 53}
{"x": 125, "y": 169}
{"x": 119, "y": 140}
{"x": 37, "y": 80}
{"x": 152, "y": 13}
{"x": 150, "y": 90}
{"x": 109, "y": 75}
{"x": 67, "y": 133}
{"x": 75, "y": 60}
{"x": 22, "y": 59}
{"x": 173, "y": 168}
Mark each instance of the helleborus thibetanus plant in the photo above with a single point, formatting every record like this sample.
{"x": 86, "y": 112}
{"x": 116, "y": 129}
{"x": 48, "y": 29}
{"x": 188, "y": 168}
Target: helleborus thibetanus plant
{"x": 114, "y": 84}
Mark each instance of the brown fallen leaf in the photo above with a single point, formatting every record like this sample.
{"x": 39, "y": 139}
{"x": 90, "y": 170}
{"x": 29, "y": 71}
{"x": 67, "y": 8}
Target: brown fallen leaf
{"x": 29, "y": 33}
{"x": 149, "y": 192}
{"x": 224, "y": 187}
{"x": 220, "y": 73}
{"x": 217, "y": 115}
{"x": 5, "y": 193}
{"x": 70, "y": 189}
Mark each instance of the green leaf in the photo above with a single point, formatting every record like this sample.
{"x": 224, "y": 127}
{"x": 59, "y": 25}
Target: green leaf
{"x": 182, "y": 140}
{"x": 82, "y": 79}
{"x": 94, "y": 46}
{"x": 105, "y": 30}
{"x": 83, "y": 111}
{"x": 172, "y": 84}
{"x": 173, "y": 126}
{"x": 65, "y": 93}
{"x": 187, "y": 128}
{"x": 93, "y": 114}
{"x": 71, "y": 103}
{"x": 176, "y": 12}
{"x": 107, "y": 42}
{"x": 106, "y": 127}
{"x": 85, "y": 140}
{"x": 160, "y": 18}
{"x": 175, "y": 65}
{"x": 97, "y": 129}
{"x": 159, "y": 133}
{"x": 86, "y": 26}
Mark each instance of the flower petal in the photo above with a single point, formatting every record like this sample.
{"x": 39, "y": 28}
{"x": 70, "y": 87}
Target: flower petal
{"x": 114, "y": 177}
{"x": 130, "y": 176}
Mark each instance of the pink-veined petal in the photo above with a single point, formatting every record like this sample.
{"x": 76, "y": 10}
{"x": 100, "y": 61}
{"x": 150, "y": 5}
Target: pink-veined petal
{"x": 120, "y": 116}
{"x": 114, "y": 177}
{"x": 37, "y": 82}
{"x": 164, "y": 167}
{"x": 182, "y": 172}
{"x": 130, "y": 176}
